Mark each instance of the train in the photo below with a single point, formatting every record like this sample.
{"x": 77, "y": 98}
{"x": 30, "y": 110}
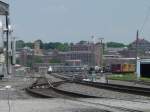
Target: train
{"x": 65, "y": 69}
{"x": 123, "y": 68}
{"x": 114, "y": 68}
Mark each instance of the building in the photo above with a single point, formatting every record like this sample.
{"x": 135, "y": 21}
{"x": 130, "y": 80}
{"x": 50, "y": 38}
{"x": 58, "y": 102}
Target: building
{"x": 143, "y": 49}
{"x": 24, "y": 56}
{"x": 89, "y": 53}
{"x": 142, "y": 44}
{"x": 118, "y": 56}
{"x": 79, "y": 54}
{"x": 73, "y": 62}
{"x": 37, "y": 48}
{"x": 108, "y": 61}
{"x": 142, "y": 69}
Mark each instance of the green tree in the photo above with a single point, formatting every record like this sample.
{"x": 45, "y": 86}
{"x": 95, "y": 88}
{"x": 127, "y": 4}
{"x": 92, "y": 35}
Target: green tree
{"x": 54, "y": 61}
{"x": 82, "y": 42}
{"x": 41, "y": 43}
{"x": 115, "y": 45}
{"x": 17, "y": 61}
{"x": 38, "y": 59}
{"x": 29, "y": 44}
{"x": 56, "y": 45}
{"x": 20, "y": 44}
{"x": 62, "y": 47}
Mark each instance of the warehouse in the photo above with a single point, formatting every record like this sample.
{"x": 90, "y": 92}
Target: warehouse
{"x": 143, "y": 68}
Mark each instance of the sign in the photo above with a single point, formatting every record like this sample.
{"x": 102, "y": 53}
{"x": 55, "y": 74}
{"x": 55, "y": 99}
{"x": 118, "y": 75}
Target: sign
{"x": 4, "y": 8}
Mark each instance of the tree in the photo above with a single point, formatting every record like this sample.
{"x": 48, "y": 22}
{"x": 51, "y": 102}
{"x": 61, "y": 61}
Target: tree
{"x": 62, "y": 47}
{"x": 29, "y": 44}
{"x": 17, "y": 61}
{"x": 115, "y": 45}
{"x": 41, "y": 44}
{"x": 38, "y": 59}
{"x": 56, "y": 45}
{"x": 82, "y": 42}
{"x": 54, "y": 61}
{"x": 20, "y": 44}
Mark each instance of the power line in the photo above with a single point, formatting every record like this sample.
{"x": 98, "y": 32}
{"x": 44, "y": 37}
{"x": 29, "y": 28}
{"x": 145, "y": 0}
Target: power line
{"x": 145, "y": 20}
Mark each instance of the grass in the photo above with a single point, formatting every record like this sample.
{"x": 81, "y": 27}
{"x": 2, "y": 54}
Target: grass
{"x": 124, "y": 77}
{"x": 127, "y": 77}
{"x": 145, "y": 79}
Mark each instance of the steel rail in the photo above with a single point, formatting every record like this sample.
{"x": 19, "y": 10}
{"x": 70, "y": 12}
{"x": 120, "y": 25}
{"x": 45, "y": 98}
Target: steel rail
{"x": 53, "y": 86}
{"x": 114, "y": 87}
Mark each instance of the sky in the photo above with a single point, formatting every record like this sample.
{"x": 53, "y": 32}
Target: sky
{"x": 75, "y": 20}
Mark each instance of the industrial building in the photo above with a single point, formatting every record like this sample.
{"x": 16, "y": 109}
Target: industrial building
{"x": 143, "y": 68}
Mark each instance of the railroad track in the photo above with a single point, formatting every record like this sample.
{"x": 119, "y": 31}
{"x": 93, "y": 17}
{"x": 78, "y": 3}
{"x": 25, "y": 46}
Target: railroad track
{"x": 143, "y": 82}
{"x": 43, "y": 83}
{"x": 73, "y": 98}
{"x": 53, "y": 87}
{"x": 110, "y": 108}
{"x": 114, "y": 87}
{"x": 120, "y": 88}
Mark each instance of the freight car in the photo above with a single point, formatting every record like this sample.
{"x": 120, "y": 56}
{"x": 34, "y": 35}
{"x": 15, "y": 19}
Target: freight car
{"x": 116, "y": 68}
{"x": 123, "y": 68}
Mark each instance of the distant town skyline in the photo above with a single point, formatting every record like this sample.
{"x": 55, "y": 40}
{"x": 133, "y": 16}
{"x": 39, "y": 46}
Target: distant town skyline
{"x": 75, "y": 20}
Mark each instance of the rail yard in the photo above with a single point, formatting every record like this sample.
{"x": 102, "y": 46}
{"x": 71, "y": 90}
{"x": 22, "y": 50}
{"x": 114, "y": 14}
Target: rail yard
{"x": 62, "y": 86}
{"x": 61, "y": 90}
{"x": 68, "y": 76}
{"x": 90, "y": 89}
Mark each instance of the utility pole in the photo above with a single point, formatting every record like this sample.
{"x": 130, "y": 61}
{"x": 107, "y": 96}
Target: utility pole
{"x": 137, "y": 39}
{"x": 7, "y": 45}
{"x": 4, "y": 11}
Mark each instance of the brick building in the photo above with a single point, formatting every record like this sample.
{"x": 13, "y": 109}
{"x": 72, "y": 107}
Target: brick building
{"x": 87, "y": 53}
{"x": 79, "y": 54}
{"x": 37, "y": 48}
{"x": 25, "y": 57}
{"x": 142, "y": 45}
